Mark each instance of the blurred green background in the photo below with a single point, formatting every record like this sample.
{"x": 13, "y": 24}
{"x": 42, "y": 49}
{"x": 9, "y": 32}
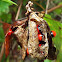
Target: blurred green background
{"x": 8, "y": 11}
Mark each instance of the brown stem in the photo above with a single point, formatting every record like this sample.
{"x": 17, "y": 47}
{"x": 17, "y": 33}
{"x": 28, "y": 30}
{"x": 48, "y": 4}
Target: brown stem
{"x": 56, "y": 7}
{"x": 52, "y": 9}
{"x": 39, "y": 5}
{"x": 2, "y": 52}
{"x": 18, "y": 11}
{"x": 47, "y": 6}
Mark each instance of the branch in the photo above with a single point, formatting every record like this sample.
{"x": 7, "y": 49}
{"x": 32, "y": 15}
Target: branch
{"x": 47, "y": 6}
{"x": 52, "y": 9}
{"x": 2, "y": 52}
{"x": 18, "y": 12}
{"x": 56, "y": 7}
{"x": 39, "y": 5}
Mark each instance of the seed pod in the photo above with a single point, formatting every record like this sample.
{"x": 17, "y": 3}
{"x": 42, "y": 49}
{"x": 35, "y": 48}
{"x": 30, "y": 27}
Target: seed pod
{"x": 33, "y": 42}
{"x": 21, "y": 35}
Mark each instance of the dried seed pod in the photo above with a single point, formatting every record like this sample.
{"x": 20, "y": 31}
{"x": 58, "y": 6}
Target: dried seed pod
{"x": 24, "y": 43}
{"x": 44, "y": 47}
{"x": 28, "y": 37}
{"x": 33, "y": 42}
{"x": 21, "y": 35}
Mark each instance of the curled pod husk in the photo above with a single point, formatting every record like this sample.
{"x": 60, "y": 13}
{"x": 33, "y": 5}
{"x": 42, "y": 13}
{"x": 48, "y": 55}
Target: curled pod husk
{"x": 44, "y": 47}
{"x": 48, "y": 48}
{"x": 7, "y": 45}
{"x": 7, "y": 42}
{"x": 33, "y": 42}
{"x": 52, "y": 53}
{"x": 21, "y": 35}
{"x": 24, "y": 43}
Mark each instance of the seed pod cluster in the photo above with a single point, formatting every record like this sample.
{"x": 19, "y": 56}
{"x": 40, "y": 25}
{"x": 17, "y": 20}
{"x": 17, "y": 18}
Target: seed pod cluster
{"x": 33, "y": 35}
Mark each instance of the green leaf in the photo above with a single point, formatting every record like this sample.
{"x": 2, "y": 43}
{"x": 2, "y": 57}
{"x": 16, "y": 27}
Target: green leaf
{"x": 60, "y": 3}
{"x": 4, "y": 6}
{"x": 58, "y": 11}
{"x": 47, "y": 60}
{"x": 6, "y": 18}
{"x": 9, "y": 1}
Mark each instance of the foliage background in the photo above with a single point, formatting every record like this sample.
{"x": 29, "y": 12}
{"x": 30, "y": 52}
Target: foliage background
{"x": 8, "y": 10}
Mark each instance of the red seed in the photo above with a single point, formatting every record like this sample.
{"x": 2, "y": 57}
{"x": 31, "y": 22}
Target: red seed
{"x": 40, "y": 37}
{"x": 54, "y": 33}
{"x": 39, "y": 45}
{"x": 10, "y": 32}
{"x": 27, "y": 52}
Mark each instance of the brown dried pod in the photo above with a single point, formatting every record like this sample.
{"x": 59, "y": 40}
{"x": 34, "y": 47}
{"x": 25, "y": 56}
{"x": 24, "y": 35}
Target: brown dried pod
{"x": 33, "y": 42}
{"x": 28, "y": 37}
{"x": 21, "y": 35}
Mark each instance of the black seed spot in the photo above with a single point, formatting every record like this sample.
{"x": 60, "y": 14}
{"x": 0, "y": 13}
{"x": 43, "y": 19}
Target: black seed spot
{"x": 14, "y": 28}
{"x": 42, "y": 42}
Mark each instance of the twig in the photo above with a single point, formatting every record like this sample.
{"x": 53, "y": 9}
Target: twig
{"x": 52, "y": 9}
{"x": 2, "y": 49}
{"x": 56, "y": 7}
{"x": 18, "y": 11}
{"x": 2, "y": 52}
{"x": 16, "y": 19}
{"x": 39, "y": 5}
{"x": 47, "y": 6}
